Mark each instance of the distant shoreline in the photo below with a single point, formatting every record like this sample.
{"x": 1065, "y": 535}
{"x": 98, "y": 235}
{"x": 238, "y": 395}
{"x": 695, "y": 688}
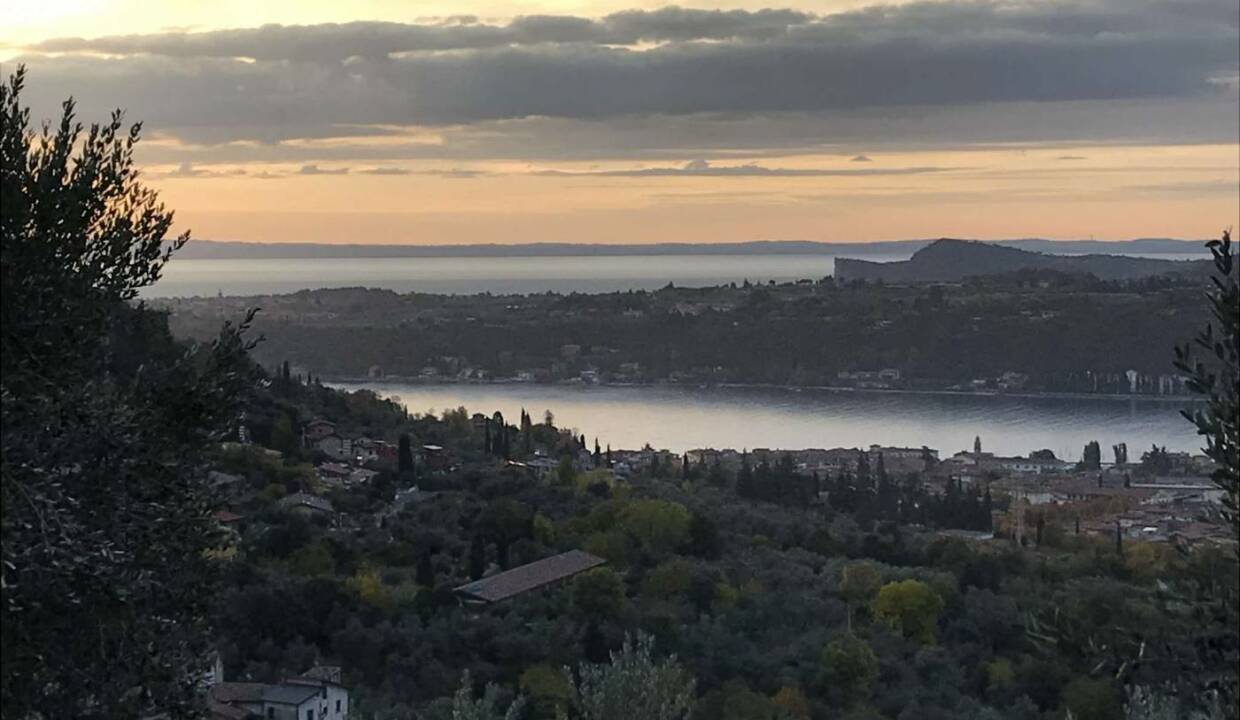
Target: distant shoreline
{"x": 398, "y": 379}
{"x": 223, "y": 250}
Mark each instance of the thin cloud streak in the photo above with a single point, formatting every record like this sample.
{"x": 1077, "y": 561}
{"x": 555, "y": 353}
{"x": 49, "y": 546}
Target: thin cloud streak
{"x": 702, "y": 168}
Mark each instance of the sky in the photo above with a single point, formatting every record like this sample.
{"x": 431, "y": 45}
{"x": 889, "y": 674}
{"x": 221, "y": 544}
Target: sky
{"x": 378, "y": 121}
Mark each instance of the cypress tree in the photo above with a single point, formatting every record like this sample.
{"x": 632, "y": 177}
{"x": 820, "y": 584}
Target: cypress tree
{"x": 404, "y": 454}
{"x": 745, "y": 478}
{"x": 426, "y": 571}
{"x": 477, "y": 557}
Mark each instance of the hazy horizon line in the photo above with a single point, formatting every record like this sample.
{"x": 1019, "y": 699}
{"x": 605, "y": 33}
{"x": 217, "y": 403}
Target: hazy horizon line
{"x": 239, "y": 249}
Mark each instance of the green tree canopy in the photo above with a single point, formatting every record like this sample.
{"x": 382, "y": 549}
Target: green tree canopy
{"x": 660, "y": 526}
{"x": 599, "y": 593}
{"x": 106, "y": 522}
{"x": 911, "y": 607}
{"x": 848, "y": 669}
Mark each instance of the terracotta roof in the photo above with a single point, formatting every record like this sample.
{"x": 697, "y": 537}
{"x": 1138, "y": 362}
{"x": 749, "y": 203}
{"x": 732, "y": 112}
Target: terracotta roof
{"x": 319, "y": 674}
{"x": 221, "y": 711}
{"x": 230, "y": 692}
{"x": 528, "y": 577}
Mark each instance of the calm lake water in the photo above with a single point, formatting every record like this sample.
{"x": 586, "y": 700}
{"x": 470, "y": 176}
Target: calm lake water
{"x": 466, "y": 275}
{"x": 679, "y": 419}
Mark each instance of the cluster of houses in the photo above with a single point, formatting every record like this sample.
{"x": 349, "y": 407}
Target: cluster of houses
{"x": 1170, "y": 507}
{"x": 874, "y": 379}
{"x": 316, "y": 694}
{"x": 321, "y": 435}
{"x": 1175, "y": 506}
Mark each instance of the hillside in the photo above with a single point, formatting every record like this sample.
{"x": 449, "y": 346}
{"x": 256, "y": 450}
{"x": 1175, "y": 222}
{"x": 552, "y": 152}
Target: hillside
{"x": 937, "y": 338}
{"x": 948, "y": 260}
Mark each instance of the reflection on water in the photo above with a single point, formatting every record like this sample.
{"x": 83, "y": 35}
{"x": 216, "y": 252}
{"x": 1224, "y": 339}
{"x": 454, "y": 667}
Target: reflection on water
{"x": 461, "y": 275}
{"x": 684, "y": 418}
{"x": 465, "y": 275}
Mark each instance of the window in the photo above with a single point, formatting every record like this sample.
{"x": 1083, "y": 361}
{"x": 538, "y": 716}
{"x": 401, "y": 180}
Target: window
{"x": 337, "y": 704}
{"x": 271, "y": 712}
{"x": 310, "y": 714}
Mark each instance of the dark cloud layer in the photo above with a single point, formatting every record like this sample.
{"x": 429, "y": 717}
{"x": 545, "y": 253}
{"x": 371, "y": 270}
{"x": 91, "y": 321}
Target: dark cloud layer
{"x": 335, "y": 42}
{"x": 889, "y": 62}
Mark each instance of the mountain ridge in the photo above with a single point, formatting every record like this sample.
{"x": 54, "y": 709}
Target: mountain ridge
{"x": 231, "y": 249}
{"x": 952, "y": 260}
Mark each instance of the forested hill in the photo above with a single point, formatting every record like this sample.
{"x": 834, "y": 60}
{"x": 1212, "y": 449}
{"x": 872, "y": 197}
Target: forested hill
{"x": 948, "y": 260}
{"x": 807, "y": 333}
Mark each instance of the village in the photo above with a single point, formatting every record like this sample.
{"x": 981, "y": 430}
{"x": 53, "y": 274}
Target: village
{"x": 1159, "y": 498}
{"x": 1163, "y": 497}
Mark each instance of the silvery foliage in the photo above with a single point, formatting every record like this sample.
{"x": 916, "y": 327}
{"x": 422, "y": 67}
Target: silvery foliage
{"x": 632, "y": 685}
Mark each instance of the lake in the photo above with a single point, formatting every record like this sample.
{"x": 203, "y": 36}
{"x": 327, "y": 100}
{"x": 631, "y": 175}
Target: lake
{"x": 187, "y": 277}
{"x": 679, "y": 419}
{"x": 500, "y": 275}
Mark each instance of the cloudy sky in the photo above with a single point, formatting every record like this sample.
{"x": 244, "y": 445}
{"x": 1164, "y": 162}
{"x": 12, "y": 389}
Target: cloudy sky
{"x": 615, "y": 121}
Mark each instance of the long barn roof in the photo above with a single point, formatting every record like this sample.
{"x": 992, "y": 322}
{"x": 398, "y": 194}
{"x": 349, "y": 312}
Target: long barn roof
{"x": 510, "y": 583}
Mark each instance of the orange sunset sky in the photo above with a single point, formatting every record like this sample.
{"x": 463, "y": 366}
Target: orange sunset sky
{"x": 622, "y": 122}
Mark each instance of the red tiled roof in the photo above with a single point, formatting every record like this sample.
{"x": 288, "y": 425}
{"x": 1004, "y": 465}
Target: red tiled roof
{"x": 220, "y": 711}
{"x": 230, "y": 692}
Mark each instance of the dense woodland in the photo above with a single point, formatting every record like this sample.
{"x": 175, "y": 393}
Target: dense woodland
{"x": 776, "y": 608}
{"x": 792, "y": 334}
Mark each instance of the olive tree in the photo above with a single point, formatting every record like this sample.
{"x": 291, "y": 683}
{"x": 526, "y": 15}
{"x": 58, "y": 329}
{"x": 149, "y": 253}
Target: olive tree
{"x": 1212, "y": 363}
{"x": 632, "y": 685}
{"x": 106, "y": 525}
{"x": 487, "y": 707}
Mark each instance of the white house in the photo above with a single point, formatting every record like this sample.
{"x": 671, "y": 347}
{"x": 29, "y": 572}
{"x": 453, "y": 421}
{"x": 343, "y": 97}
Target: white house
{"x": 314, "y": 695}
